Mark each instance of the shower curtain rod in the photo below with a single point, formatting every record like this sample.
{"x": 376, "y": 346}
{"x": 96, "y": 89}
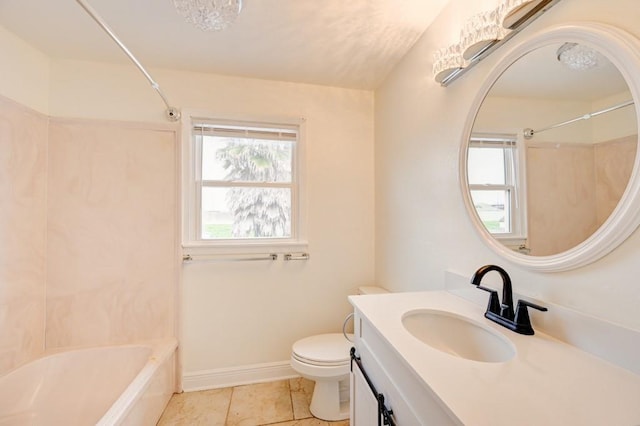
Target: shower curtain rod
{"x": 173, "y": 114}
{"x": 528, "y": 133}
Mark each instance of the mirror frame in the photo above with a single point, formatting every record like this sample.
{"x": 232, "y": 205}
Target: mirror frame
{"x": 623, "y": 50}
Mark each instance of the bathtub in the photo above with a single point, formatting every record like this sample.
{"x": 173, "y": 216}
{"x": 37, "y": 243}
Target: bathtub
{"x": 115, "y": 385}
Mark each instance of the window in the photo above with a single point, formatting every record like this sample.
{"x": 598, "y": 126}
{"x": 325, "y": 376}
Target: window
{"x": 495, "y": 183}
{"x": 243, "y": 183}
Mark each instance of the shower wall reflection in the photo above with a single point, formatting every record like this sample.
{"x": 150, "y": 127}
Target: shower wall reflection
{"x": 588, "y": 181}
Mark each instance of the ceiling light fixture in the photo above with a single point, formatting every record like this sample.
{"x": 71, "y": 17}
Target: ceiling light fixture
{"x": 578, "y": 57}
{"x": 209, "y": 15}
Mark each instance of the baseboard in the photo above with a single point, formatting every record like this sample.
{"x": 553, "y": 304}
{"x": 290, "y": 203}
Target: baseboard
{"x": 235, "y": 376}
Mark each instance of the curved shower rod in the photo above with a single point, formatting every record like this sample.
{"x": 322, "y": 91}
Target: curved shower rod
{"x": 173, "y": 114}
{"x": 528, "y": 133}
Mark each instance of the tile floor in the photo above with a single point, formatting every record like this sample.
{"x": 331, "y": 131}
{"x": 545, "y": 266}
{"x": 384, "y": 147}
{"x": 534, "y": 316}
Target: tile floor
{"x": 284, "y": 403}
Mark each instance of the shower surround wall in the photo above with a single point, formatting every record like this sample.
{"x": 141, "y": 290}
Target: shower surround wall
{"x": 587, "y": 181}
{"x": 112, "y": 233}
{"x": 23, "y": 159}
{"x": 88, "y": 254}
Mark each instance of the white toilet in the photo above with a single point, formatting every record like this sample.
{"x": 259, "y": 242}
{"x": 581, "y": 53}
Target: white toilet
{"x": 325, "y": 359}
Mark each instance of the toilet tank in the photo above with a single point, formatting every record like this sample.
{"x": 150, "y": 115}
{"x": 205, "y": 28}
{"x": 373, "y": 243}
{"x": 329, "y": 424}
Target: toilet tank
{"x": 371, "y": 290}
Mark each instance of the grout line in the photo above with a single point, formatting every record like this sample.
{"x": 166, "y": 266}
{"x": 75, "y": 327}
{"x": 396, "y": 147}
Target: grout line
{"x": 293, "y": 413}
{"x": 226, "y": 417}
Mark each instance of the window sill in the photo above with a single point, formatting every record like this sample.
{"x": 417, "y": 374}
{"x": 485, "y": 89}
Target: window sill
{"x": 514, "y": 243}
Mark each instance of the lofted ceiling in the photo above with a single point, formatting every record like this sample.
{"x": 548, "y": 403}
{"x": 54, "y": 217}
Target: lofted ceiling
{"x": 344, "y": 43}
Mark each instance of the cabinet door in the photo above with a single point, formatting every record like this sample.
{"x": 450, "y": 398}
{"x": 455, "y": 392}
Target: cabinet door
{"x": 364, "y": 406}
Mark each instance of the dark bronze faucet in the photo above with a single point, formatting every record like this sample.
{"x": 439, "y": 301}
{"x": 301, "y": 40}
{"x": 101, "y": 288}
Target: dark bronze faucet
{"x": 502, "y": 312}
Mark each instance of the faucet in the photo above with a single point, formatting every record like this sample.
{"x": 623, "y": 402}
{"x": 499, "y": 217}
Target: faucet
{"x": 502, "y": 312}
{"x": 504, "y": 309}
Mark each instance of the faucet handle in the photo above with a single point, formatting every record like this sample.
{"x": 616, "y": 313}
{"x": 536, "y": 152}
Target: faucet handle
{"x": 494, "y": 302}
{"x": 522, "y": 320}
{"x": 525, "y": 303}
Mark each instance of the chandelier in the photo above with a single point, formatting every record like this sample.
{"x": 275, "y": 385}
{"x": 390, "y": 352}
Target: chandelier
{"x": 209, "y": 15}
{"x": 578, "y": 57}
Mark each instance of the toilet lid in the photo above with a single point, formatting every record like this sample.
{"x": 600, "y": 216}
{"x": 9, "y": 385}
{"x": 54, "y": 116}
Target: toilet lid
{"x": 323, "y": 348}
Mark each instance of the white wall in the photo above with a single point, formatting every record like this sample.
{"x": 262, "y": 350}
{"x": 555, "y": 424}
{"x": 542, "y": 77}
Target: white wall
{"x": 421, "y": 225}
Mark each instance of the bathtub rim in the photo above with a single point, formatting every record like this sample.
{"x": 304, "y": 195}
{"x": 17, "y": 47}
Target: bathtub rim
{"x": 162, "y": 351}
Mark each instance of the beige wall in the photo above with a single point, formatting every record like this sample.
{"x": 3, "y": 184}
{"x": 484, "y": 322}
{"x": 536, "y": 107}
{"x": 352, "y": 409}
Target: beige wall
{"x": 89, "y": 233}
{"x": 561, "y": 197}
{"x": 614, "y": 165}
{"x": 422, "y": 227}
{"x": 23, "y": 160}
{"x": 112, "y": 238}
{"x": 586, "y": 182}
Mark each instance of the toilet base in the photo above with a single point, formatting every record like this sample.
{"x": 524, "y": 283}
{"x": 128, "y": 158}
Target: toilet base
{"x": 330, "y": 401}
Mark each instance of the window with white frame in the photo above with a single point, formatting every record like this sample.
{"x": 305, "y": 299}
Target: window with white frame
{"x": 242, "y": 183}
{"x": 496, "y": 184}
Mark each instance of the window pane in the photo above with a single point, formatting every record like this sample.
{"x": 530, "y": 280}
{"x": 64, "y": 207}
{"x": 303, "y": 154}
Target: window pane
{"x": 486, "y": 166}
{"x": 246, "y": 160}
{"x": 493, "y": 208}
{"x": 246, "y": 212}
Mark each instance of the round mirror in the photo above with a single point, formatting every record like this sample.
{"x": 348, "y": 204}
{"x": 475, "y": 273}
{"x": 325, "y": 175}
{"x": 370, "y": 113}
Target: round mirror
{"x": 548, "y": 163}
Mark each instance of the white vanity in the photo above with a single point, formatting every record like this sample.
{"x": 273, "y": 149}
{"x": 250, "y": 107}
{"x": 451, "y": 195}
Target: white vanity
{"x": 542, "y": 381}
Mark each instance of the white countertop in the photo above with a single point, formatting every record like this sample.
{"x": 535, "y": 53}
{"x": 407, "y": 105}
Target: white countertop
{"x": 547, "y": 382}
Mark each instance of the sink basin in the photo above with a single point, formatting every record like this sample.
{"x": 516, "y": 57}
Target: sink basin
{"x": 458, "y": 336}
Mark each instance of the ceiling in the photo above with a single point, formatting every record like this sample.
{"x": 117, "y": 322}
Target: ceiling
{"x": 539, "y": 74}
{"x": 344, "y": 43}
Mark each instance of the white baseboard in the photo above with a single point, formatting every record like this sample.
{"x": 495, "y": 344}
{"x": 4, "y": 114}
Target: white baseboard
{"x": 235, "y": 376}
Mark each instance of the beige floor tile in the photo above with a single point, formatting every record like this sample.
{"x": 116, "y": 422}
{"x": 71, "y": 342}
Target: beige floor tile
{"x": 260, "y": 404}
{"x": 301, "y": 392}
{"x": 197, "y": 408}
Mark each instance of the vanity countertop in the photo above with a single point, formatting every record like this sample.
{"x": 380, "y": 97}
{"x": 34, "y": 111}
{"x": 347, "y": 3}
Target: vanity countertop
{"x": 547, "y": 382}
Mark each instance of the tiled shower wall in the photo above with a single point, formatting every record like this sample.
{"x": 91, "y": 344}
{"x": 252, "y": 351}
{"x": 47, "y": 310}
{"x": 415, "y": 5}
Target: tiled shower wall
{"x": 23, "y": 160}
{"x": 88, "y": 237}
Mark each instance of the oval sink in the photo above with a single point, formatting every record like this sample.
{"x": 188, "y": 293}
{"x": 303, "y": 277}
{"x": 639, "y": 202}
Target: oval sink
{"x": 458, "y": 336}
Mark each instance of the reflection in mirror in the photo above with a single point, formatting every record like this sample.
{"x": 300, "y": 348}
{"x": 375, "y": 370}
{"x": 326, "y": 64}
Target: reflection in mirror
{"x": 552, "y": 148}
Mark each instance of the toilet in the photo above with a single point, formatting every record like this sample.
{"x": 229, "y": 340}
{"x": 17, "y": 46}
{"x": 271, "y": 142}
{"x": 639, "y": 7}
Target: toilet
{"x": 325, "y": 359}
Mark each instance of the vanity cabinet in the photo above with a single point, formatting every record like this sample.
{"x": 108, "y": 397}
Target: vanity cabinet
{"x": 434, "y": 382}
{"x": 405, "y": 396}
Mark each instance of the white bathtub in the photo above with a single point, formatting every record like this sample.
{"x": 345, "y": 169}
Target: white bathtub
{"x": 115, "y": 385}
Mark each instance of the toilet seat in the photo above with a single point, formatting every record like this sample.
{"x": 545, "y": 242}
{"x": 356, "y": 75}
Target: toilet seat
{"x": 318, "y": 363}
{"x": 323, "y": 350}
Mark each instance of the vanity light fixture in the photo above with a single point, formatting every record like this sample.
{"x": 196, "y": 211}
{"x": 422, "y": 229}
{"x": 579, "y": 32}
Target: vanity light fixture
{"x": 515, "y": 11}
{"x": 578, "y": 57}
{"x": 209, "y": 15}
{"x": 447, "y": 61}
{"x": 483, "y": 33}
